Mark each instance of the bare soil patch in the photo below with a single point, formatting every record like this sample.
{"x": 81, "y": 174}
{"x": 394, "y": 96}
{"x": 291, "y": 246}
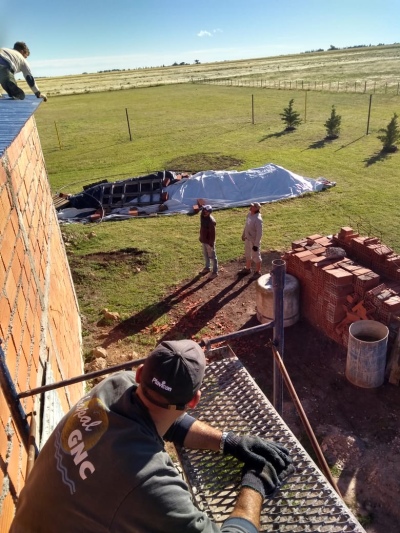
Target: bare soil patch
{"x": 358, "y": 429}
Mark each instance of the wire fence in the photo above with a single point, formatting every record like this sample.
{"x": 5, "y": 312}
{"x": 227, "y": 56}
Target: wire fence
{"x": 366, "y": 86}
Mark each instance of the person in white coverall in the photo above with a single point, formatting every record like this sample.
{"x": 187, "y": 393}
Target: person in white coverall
{"x": 251, "y": 236}
{"x": 13, "y": 61}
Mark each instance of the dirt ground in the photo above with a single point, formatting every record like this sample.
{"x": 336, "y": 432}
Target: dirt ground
{"x": 358, "y": 429}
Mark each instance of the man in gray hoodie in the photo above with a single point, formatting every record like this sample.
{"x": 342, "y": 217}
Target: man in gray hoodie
{"x": 105, "y": 468}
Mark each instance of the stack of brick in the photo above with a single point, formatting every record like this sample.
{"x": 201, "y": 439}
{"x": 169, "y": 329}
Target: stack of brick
{"x": 370, "y": 252}
{"x": 337, "y": 290}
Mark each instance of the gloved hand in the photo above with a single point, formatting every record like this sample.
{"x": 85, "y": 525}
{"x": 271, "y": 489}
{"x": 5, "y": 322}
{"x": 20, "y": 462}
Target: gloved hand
{"x": 255, "y": 248}
{"x": 41, "y": 95}
{"x": 255, "y": 452}
{"x": 265, "y": 480}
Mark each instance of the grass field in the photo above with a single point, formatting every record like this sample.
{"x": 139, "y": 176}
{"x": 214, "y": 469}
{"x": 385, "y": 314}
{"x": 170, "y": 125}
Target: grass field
{"x": 193, "y": 127}
{"x": 352, "y": 68}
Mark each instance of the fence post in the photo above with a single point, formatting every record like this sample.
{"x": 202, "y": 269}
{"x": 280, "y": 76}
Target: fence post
{"x": 365, "y": 86}
{"x": 58, "y": 137}
{"x": 398, "y": 89}
{"x": 305, "y": 108}
{"x": 129, "y": 127}
{"x": 369, "y": 112}
{"x": 252, "y": 108}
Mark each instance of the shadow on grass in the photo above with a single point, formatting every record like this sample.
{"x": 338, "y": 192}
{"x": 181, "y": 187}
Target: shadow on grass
{"x": 319, "y": 144}
{"x": 378, "y": 156}
{"x": 276, "y": 135}
{"x": 348, "y": 144}
{"x": 150, "y": 314}
{"x": 192, "y": 323}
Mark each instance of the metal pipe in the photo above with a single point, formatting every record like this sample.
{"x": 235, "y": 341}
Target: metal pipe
{"x": 135, "y": 362}
{"x": 278, "y": 273}
{"x": 83, "y": 377}
{"x": 307, "y": 426}
{"x": 11, "y": 396}
{"x": 236, "y": 334}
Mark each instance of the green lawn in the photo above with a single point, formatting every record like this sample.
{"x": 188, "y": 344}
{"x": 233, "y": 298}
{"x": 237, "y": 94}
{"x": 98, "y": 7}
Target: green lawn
{"x": 189, "y": 127}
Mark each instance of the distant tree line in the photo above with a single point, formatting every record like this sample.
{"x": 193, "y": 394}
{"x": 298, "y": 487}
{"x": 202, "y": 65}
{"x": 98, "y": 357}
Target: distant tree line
{"x": 332, "y": 47}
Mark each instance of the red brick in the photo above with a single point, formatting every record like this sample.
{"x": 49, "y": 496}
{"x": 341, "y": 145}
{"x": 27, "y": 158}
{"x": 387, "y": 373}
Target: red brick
{"x": 23, "y": 374}
{"x": 16, "y": 268}
{"x": 7, "y": 245}
{"x": 7, "y": 514}
{"x": 4, "y": 416}
{"x": 11, "y": 357}
{"x": 11, "y": 288}
{"x": 5, "y": 313}
{"x": 13, "y": 467}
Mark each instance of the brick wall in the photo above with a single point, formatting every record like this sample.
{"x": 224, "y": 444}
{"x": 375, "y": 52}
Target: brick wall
{"x": 39, "y": 316}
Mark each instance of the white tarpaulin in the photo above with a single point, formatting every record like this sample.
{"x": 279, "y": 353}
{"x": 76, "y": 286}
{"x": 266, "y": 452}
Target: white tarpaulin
{"x": 219, "y": 188}
{"x": 222, "y": 189}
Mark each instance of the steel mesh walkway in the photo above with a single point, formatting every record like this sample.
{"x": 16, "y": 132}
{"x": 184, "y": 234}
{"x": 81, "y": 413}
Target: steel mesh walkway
{"x": 232, "y": 400}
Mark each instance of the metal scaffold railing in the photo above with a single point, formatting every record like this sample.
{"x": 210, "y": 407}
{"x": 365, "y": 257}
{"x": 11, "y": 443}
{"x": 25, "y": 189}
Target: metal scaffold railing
{"x": 231, "y": 400}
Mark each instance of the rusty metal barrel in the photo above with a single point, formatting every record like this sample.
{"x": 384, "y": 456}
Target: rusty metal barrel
{"x": 366, "y": 353}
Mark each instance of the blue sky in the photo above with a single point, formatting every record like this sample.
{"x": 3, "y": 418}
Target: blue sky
{"x": 76, "y": 36}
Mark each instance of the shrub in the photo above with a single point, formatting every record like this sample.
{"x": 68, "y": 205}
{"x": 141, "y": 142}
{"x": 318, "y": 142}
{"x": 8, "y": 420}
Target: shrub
{"x": 390, "y": 135}
{"x": 332, "y": 125}
{"x": 290, "y": 117}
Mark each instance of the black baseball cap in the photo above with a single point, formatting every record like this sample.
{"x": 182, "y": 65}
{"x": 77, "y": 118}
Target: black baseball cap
{"x": 175, "y": 370}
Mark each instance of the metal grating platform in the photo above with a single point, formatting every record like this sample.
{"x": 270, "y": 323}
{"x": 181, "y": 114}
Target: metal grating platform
{"x": 231, "y": 400}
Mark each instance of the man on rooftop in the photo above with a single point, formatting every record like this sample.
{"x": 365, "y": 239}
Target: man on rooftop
{"x": 13, "y": 61}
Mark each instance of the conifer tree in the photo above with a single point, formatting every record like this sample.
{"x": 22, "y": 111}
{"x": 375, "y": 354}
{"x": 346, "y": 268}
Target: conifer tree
{"x": 290, "y": 117}
{"x": 332, "y": 125}
{"x": 390, "y": 135}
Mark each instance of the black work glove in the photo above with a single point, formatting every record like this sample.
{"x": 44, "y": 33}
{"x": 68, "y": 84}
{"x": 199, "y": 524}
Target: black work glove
{"x": 265, "y": 480}
{"x": 255, "y": 248}
{"x": 255, "y": 452}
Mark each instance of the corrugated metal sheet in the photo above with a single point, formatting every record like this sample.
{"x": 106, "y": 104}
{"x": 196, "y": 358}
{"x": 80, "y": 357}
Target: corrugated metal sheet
{"x": 13, "y": 117}
{"x": 232, "y": 400}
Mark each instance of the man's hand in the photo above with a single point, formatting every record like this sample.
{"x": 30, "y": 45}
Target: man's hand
{"x": 265, "y": 480}
{"x": 255, "y": 452}
{"x": 255, "y": 248}
{"x": 41, "y": 95}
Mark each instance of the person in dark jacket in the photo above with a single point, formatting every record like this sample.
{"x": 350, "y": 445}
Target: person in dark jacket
{"x": 105, "y": 469}
{"x": 207, "y": 239}
{"x": 13, "y": 61}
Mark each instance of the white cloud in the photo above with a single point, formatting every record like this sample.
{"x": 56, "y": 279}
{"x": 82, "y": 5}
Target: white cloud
{"x": 218, "y": 30}
{"x": 204, "y": 33}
